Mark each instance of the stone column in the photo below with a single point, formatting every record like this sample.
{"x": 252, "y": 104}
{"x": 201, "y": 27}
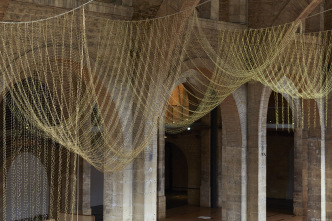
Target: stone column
{"x": 118, "y": 195}
{"x": 145, "y": 182}
{"x": 232, "y": 161}
{"x": 313, "y": 170}
{"x": 311, "y": 174}
{"x": 328, "y": 154}
{"x": 85, "y": 167}
{"x": 161, "y": 172}
{"x": 205, "y": 189}
{"x": 219, "y": 165}
{"x": 118, "y": 186}
{"x": 86, "y": 188}
{"x": 298, "y": 161}
{"x": 258, "y": 96}
{"x": 234, "y": 172}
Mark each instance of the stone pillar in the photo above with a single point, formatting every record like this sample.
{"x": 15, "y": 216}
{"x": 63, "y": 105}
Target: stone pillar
{"x": 313, "y": 170}
{"x": 328, "y": 154}
{"x": 298, "y": 161}
{"x": 311, "y": 174}
{"x": 86, "y": 205}
{"x": 205, "y": 189}
{"x": 118, "y": 195}
{"x": 118, "y": 186}
{"x": 85, "y": 168}
{"x": 219, "y": 164}
{"x": 145, "y": 182}
{"x": 258, "y": 97}
{"x": 234, "y": 172}
{"x": 161, "y": 172}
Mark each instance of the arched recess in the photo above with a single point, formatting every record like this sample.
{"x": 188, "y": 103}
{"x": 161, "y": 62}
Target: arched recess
{"x": 280, "y": 154}
{"x": 17, "y": 139}
{"x": 108, "y": 111}
{"x": 189, "y": 143}
{"x": 115, "y": 120}
{"x": 26, "y": 175}
{"x": 190, "y": 76}
{"x": 308, "y": 143}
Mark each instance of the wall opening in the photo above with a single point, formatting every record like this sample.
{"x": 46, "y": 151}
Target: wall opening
{"x": 182, "y": 152}
{"x": 176, "y": 177}
{"x": 280, "y": 156}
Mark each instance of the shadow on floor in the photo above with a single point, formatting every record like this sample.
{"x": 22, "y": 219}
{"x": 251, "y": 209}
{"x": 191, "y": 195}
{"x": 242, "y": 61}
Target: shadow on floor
{"x": 191, "y": 213}
{"x": 280, "y": 205}
{"x": 175, "y": 199}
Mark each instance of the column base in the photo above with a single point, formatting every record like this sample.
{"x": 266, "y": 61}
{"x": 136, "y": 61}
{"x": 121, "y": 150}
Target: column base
{"x": 161, "y": 207}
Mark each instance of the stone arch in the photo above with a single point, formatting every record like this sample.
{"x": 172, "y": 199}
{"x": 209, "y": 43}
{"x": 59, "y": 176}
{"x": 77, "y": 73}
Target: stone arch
{"x": 14, "y": 146}
{"x": 117, "y": 120}
{"x": 201, "y": 65}
{"x": 193, "y": 71}
{"x": 296, "y": 107}
{"x": 191, "y": 170}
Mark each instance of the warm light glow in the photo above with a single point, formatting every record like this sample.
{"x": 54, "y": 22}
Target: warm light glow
{"x": 178, "y": 105}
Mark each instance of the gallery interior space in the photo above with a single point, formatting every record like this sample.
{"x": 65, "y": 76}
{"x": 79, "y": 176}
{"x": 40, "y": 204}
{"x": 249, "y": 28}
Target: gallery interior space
{"x": 165, "y": 110}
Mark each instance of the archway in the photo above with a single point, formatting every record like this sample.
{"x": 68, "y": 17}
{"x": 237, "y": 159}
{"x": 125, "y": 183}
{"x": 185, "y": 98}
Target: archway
{"x": 279, "y": 155}
{"x": 176, "y": 176}
{"x": 188, "y": 142}
{"x": 38, "y": 173}
{"x": 26, "y": 175}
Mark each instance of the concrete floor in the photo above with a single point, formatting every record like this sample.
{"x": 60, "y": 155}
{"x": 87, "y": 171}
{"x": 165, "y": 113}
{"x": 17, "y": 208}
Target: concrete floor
{"x": 192, "y": 213}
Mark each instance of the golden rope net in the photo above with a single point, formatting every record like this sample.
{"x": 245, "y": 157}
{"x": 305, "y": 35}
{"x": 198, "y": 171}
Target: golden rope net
{"x": 68, "y": 78}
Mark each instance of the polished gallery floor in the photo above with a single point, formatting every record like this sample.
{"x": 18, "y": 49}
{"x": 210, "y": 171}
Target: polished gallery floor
{"x": 198, "y": 213}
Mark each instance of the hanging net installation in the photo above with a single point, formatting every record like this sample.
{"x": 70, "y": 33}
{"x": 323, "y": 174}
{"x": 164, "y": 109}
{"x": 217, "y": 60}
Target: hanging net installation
{"x": 76, "y": 85}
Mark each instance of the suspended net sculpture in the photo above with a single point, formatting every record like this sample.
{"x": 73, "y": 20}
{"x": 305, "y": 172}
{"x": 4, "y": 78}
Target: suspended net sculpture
{"x": 285, "y": 58}
{"x": 68, "y": 78}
